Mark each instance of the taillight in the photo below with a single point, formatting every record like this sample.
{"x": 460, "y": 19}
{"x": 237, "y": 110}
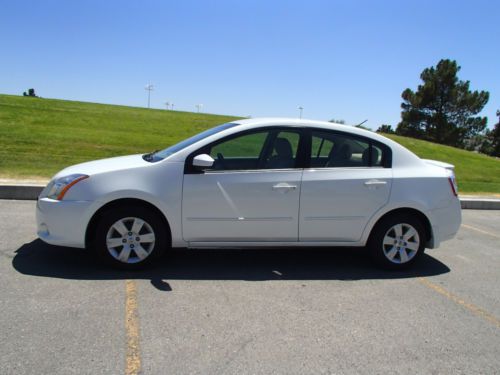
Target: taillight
{"x": 453, "y": 185}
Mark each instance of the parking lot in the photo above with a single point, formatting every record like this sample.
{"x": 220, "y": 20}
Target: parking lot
{"x": 249, "y": 311}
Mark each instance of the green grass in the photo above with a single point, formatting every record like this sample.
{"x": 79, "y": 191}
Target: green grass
{"x": 38, "y": 137}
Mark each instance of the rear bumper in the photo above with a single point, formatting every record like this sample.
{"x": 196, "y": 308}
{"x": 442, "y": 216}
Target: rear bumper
{"x": 62, "y": 223}
{"x": 445, "y": 223}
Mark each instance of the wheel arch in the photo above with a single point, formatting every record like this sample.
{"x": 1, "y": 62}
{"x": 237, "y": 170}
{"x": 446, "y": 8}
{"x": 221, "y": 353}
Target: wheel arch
{"x": 413, "y": 212}
{"x": 92, "y": 225}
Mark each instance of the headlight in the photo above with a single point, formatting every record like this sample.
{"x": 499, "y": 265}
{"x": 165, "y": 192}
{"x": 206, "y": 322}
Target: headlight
{"x": 60, "y": 186}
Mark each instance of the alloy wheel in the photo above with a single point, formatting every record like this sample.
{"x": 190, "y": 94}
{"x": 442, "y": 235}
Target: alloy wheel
{"x": 130, "y": 240}
{"x": 401, "y": 243}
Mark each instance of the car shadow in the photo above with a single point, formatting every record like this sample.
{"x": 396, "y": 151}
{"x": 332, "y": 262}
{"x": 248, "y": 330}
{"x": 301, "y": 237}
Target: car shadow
{"x": 40, "y": 259}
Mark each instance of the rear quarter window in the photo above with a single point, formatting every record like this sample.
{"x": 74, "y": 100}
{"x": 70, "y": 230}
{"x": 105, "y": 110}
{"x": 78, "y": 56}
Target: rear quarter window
{"x": 331, "y": 149}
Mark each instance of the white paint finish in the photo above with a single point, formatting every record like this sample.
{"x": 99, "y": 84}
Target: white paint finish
{"x": 105, "y": 165}
{"x": 446, "y": 221}
{"x": 336, "y": 203}
{"x": 440, "y": 164}
{"x": 157, "y": 184}
{"x": 338, "y": 207}
{"x": 62, "y": 222}
{"x": 268, "y": 244}
{"x": 241, "y": 206}
{"x": 203, "y": 160}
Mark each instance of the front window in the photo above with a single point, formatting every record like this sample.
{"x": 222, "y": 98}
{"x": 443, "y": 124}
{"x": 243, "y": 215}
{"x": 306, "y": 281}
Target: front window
{"x": 160, "y": 155}
{"x": 262, "y": 149}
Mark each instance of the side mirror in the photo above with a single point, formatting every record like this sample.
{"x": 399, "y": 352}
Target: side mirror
{"x": 203, "y": 161}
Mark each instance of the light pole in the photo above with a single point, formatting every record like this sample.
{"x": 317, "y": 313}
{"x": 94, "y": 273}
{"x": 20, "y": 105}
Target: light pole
{"x": 172, "y": 106}
{"x": 167, "y": 104}
{"x": 300, "y": 111}
{"x": 199, "y": 107}
{"x": 149, "y": 87}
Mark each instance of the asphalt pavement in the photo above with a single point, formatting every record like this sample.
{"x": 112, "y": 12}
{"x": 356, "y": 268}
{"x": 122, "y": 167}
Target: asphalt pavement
{"x": 308, "y": 311}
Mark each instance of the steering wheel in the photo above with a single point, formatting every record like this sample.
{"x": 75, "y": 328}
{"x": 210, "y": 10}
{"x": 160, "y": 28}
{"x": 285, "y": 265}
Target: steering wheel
{"x": 221, "y": 160}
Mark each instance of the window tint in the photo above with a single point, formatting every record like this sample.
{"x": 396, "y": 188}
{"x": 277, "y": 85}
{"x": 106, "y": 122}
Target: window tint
{"x": 270, "y": 149}
{"x": 283, "y": 151}
{"x": 333, "y": 150}
{"x": 247, "y": 146}
{"x": 377, "y": 156}
{"x": 320, "y": 147}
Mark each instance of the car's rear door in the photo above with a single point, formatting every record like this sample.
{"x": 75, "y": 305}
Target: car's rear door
{"x": 349, "y": 178}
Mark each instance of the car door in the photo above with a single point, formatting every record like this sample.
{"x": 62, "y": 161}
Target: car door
{"x": 250, "y": 194}
{"x": 349, "y": 178}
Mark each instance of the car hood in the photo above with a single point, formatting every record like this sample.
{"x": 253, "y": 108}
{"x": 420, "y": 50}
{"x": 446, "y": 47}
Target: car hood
{"x": 105, "y": 165}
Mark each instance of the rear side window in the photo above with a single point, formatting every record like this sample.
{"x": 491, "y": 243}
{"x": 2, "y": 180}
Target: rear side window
{"x": 377, "y": 156}
{"x": 340, "y": 150}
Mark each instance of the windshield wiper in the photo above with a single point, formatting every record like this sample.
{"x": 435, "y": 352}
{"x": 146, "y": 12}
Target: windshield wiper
{"x": 149, "y": 156}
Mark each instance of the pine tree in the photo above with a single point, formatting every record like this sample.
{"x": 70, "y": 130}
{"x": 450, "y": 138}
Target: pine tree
{"x": 443, "y": 109}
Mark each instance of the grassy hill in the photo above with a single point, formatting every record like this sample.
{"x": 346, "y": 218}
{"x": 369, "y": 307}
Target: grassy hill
{"x": 38, "y": 137}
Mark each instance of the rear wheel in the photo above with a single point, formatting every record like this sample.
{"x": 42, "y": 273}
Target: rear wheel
{"x": 130, "y": 237}
{"x": 397, "y": 241}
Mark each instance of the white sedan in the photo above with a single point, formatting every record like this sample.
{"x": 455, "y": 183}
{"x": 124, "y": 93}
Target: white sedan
{"x": 256, "y": 183}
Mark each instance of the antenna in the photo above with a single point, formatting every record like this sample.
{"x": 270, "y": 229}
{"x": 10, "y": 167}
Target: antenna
{"x": 361, "y": 123}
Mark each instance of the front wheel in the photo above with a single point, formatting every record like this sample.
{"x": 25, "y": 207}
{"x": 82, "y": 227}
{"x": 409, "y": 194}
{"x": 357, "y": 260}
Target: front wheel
{"x": 130, "y": 237}
{"x": 397, "y": 242}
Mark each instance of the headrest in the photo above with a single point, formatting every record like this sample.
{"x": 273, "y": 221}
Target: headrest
{"x": 283, "y": 148}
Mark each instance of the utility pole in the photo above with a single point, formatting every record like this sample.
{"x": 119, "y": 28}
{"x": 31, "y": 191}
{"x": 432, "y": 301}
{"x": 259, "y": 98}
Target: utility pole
{"x": 149, "y": 87}
{"x": 300, "y": 108}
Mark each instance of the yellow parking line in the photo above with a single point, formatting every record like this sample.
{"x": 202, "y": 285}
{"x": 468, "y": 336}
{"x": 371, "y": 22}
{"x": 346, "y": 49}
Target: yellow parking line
{"x": 469, "y": 306}
{"x": 480, "y": 230}
{"x": 133, "y": 355}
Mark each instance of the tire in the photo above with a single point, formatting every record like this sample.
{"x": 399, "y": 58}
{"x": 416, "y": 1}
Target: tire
{"x": 397, "y": 242}
{"x": 130, "y": 237}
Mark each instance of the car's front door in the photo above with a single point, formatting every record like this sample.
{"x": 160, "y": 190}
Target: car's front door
{"x": 349, "y": 179}
{"x": 250, "y": 194}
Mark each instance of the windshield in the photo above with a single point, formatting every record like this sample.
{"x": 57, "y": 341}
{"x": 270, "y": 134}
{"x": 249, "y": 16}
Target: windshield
{"x": 160, "y": 155}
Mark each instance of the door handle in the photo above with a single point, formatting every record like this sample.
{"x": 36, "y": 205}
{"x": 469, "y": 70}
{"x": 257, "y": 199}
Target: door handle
{"x": 284, "y": 186}
{"x": 375, "y": 183}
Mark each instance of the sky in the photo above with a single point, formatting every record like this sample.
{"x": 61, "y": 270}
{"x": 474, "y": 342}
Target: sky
{"x": 345, "y": 59}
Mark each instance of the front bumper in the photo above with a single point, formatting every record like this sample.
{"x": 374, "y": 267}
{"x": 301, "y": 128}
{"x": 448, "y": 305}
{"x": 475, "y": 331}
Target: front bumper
{"x": 62, "y": 223}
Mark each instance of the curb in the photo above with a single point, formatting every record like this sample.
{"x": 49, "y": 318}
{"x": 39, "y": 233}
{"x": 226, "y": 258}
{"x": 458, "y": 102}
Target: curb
{"x": 480, "y": 204}
{"x": 31, "y": 192}
{"x": 20, "y": 192}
